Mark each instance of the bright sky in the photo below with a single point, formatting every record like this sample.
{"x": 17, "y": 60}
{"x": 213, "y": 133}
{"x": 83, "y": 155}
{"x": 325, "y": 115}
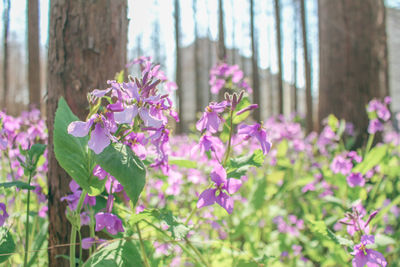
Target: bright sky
{"x": 143, "y": 14}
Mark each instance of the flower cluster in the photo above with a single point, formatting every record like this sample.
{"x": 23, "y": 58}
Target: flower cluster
{"x": 227, "y": 76}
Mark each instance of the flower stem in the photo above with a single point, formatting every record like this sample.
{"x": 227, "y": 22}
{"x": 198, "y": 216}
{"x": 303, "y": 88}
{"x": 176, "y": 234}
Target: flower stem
{"x": 191, "y": 215}
{"x": 27, "y": 223}
{"x": 74, "y": 229}
{"x": 228, "y": 150}
{"x": 196, "y": 251}
{"x": 369, "y": 143}
{"x": 146, "y": 261}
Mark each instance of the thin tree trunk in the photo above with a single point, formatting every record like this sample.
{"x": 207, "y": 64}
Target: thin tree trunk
{"x": 234, "y": 50}
{"x": 279, "y": 52}
{"x": 307, "y": 70}
{"x": 295, "y": 100}
{"x": 87, "y": 46}
{"x": 254, "y": 64}
{"x": 353, "y": 59}
{"x": 34, "y": 54}
{"x": 6, "y": 25}
{"x": 178, "y": 69}
{"x": 221, "y": 34}
{"x": 199, "y": 92}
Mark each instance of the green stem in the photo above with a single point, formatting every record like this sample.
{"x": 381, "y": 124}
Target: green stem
{"x": 196, "y": 251}
{"x": 75, "y": 228}
{"x": 146, "y": 261}
{"x": 91, "y": 227}
{"x": 27, "y": 223}
{"x": 191, "y": 215}
{"x": 228, "y": 150}
{"x": 369, "y": 143}
{"x": 184, "y": 248}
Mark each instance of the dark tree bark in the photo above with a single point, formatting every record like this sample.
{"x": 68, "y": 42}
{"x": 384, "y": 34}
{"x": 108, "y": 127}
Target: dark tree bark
{"x": 178, "y": 67}
{"x": 233, "y": 33}
{"x": 279, "y": 52}
{"x": 199, "y": 93}
{"x": 34, "y": 53}
{"x": 6, "y": 26}
{"x": 295, "y": 100}
{"x": 254, "y": 64}
{"x": 353, "y": 59}
{"x": 87, "y": 46}
{"x": 307, "y": 70}
{"x": 221, "y": 53}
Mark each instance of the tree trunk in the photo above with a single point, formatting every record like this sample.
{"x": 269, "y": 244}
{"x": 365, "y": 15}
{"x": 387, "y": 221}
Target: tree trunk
{"x": 199, "y": 93}
{"x": 353, "y": 59}
{"x": 254, "y": 64}
{"x": 178, "y": 68}
{"x": 6, "y": 26}
{"x": 87, "y": 46}
{"x": 34, "y": 54}
{"x": 221, "y": 35}
{"x": 279, "y": 52}
{"x": 295, "y": 100}
{"x": 307, "y": 70}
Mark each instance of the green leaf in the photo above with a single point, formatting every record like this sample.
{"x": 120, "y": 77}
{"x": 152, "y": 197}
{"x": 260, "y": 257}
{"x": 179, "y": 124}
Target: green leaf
{"x": 40, "y": 238}
{"x": 282, "y": 149}
{"x": 35, "y": 152}
{"x": 333, "y": 122}
{"x": 320, "y": 228}
{"x": 119, "y": 76}
{"x": 258, "y": 197}
{"x": 117, "y": 254}
{"x": 72, "y": 152}
{"x": 18, "y": 184}
{"x": 7, "y": 245}
{"x": 373, "y": 158}
{"x": 238, "y": 167}
{"x": 181, "y": 162}
{"x": 122, "y": 163}
{"x": 243, "y": 104}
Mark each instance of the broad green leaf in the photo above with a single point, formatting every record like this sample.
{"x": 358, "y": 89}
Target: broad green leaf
{"x": 18, "y": 184}
{"x": 72, "y": 152}
{"x": 333, "y": 122}
{"x": 117, "y": 254}
{"x": 122, "y": 163}
{"x": 320, "y": 228}
{"x": 384, "y": 240}
{"x": 275, "y": 176}
{"x": 7, "y": 245}
{"x": 282, "y": 149}
{"x": 119, "y": 76}
{"x": 258, "y": 198}
{"x": 373, "y": 158}
{"x": 181, "y": 162}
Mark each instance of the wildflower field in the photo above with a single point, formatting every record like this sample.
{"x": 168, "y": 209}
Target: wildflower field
{"x": 233, "y": 192}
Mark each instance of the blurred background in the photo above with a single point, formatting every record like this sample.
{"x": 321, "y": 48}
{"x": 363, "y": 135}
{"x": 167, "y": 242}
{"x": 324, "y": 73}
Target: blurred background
{"x": 272, "y": 42}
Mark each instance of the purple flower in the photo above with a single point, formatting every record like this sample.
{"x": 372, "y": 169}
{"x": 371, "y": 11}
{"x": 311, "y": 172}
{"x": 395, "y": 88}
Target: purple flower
{"x": 3, "y": 214}
{"x": 100, "y": 136}
{"x": 217, "y": 194}
{"x": 365, "y": 256}
{"x": 355, "y": 222}
{"x": 258, "y": 132}
{"x": 208, "y": 143}
{"x": 341, "y": 165}
{"x": 211, "y": 119}
{"x": 109, "y": 221}
{"x": 88, "y": 242}
{"x": 375, "y": 126}
{"x": 355, "y": 179}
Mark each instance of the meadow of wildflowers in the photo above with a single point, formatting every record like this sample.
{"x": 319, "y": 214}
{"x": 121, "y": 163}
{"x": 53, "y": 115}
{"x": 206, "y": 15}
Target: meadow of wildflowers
{"x": 233, "y": 192}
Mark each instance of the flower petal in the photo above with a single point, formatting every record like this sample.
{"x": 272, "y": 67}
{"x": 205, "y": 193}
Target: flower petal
{"x": 218, "y": 175}
{"x": 206, "y": 198}
{"x": 225, "y": 201}
{"x": 233, "y": 185}
{"x": 127, "y": 115}
{"x": 99, "y": 139}
{"x": 80, "y": 128}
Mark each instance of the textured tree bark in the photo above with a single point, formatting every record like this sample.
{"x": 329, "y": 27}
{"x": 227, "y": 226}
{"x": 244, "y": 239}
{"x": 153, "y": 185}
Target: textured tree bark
{"x": 279, "y": 52}
{"x": 34, "y": 54}
{"x": 254, "y": 64}
{"x": 353, "y": 59}
{"x": 296, "y": 23}
{"x": 87, "y": 46}
{"x": 307, "y": 70}
{"x": 178, "y": 67}
{"x": 221, "y": 52}
{"x": 6, "y": 25}
{"x": 199, "y": 94}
